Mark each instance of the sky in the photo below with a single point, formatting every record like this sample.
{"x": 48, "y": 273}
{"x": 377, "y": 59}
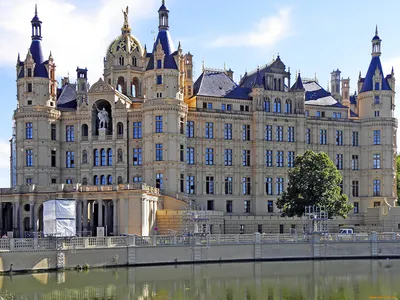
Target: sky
{"x": 311, "y": 36}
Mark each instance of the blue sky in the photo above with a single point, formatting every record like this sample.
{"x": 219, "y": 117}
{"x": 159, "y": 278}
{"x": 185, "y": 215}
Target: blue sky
{"x": 312, "y": 36}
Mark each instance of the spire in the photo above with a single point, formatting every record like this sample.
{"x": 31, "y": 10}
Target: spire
{"x": 376, "y": 44}
{"x": 19, "y": 58}
{"x": 298, "y": 85}
{"x": 163, "y": 13}
{"x": 36, "y": 26}
{"x": 125, "y": 27}
{"x": 258, "y": 83}
{"x": 376, "y": 30}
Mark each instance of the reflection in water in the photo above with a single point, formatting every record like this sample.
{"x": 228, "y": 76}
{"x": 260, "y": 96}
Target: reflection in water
{"x": 333, "y": 280}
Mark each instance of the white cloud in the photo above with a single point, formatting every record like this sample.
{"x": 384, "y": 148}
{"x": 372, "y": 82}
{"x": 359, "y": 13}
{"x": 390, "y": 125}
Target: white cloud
{"x": 266, "y": 33}
{"x": 75, "y": 36}
{"x": 4, "y": 163}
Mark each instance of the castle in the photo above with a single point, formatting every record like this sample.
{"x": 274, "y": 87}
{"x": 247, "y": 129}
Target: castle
{"x": 148, "y": 138}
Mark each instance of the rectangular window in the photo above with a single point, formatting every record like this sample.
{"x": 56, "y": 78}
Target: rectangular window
{"x": 290, "y": 134}
{"x": 377, "y": 137}
{"x": 137, "y": 156}
{"x": 181, "y": 126}
{"x": 247, "y": 208}
{"x": 29, "y": 72}
{"x": 209, "y": 185}
{"x": 318, "y": 114}
{"x": 268, "y": 158}
{"x": 29, "y": 157}
{"x": 228, "y": 131}
{"x": 159, "y": 124}
{"x": 268, "y": 186}
{"x": 246, "y": 133}
{"x": 246, "y": 158}
{"x": 209, "y": 130}
{"x": 356, "y": 207}
{"x": 279, "y": 185}
{"x": 159, "y": 152}
{"x": 29, "y": 180}
{"x": 209, "y": 105}
{"x": 377, "y": 86}
{"x": 182, "y": 153}
{"x": 339, "y": 138}
{"x": 377, "y": 161}
{"x": 376, "y": 99}
{"x": 190, "y": 129}
{"x": 29, "y": 87}
{"x": 137, "y": 130}
{"x": 270, "y": 206}
{"x": 69, "y": 133}
{"x": 268, "y": 133}
{"x": 190, "y": 155}
{"x": 190, "y": 185}
{"x": 308, "y": 136}
{"x": 159, "y": 79}
{"x": 307, "y": 113}
{"x": 290, "y": 157}
{"x": 322, "y": 137}
{"x": 28, "y": 130}
{"x": 339, "y": 161}
{"x": 228, "y": 157}
{"x": 70, "y": 159}
{"x": 209, "y": 156}
{"x": 279, "y": 159}
{"x": 137, "y": 179}
{"x": 68, "y": 181}
{"x": 355, "y": 139}
{"x": 53, "y": 158}
{"x": 182, "y": 183}
{"x": 354, "y": 162}
{"x": 160, "y": 181}
{"x": 241, "y": 229}
{"x": 377, "y": 187}
{"x": 223, "y": 107}
{"x": 246, "y": 186}
{"x": 228, "y": 185}
{"x": 354, "y": 188}
{"x": 229, "y": 107}
{"x": 376, "y": 113}
{"x": 229, "y": 206}
{"x": 210, "y": 204}
{"x": 279, "y": 133}
{"x": 159, "y": 64}
{"x": 53, "y": 132}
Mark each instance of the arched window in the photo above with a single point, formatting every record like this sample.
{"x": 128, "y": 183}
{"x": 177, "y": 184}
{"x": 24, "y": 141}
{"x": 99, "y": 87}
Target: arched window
{"x": 84, "y": 157}
{"x": 288, "y": 106}
{"x": 96, "y": 162}
{"x": 109, "y": 180}
{"x": 85, "y": 132}
{"x": 279, "y": 85}
{"x": 103, "y": 157}
{"x": 267, "y": 105}
{"x": 120, "y": 128}
{"x": 277, "y": 105}
{"x": 120, "y": 181}
{"x": 274, "y": 84}
{"x": 121, "y": 87}
{"x": 109, "y": 156}
{"x": 121, "y": 61}
{"x": 134, "y": 61}
{"x": 95, "y": 180}
{"x": 135, "y": 87}
{"x": 84, "y": 181}
{"x": 119, "y": 155}
{"x": 103, "y": 180}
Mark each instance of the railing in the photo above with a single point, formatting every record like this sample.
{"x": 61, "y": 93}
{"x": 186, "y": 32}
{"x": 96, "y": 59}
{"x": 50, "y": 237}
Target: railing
{"x": 52, "y": 243}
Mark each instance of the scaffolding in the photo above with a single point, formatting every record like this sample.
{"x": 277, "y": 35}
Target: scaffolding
{"x": 315, "y": 220}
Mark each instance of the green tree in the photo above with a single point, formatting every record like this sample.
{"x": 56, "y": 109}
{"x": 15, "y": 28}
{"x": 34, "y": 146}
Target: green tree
{"x": 314, "y": 181}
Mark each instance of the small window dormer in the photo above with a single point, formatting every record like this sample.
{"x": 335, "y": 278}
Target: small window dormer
{"x": 159, "y": 64}
{"x": 121, "y": 61}
{"x": 377, "y": 86}
{"x": 29, "y": 72}
{"x": 134, "y": 61}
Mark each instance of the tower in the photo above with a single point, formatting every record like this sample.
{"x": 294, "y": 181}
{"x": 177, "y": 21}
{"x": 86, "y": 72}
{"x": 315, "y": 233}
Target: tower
{"x": 188, "y": 75}
{"x": 81, "y": 78}
{"x": 335, "y": 84}
{"x": 346, "y": 94}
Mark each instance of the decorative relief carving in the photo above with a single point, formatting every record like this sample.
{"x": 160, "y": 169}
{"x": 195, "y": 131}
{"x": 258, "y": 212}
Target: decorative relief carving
{"x": 101, "y": 86}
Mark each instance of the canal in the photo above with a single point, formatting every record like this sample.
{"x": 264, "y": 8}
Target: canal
{"x": 335, "y": 280}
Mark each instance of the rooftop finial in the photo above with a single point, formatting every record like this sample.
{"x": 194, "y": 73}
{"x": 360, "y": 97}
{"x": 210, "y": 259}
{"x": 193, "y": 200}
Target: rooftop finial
{"x": 376, "y": 29}
{"x": 125, "y": 28}
{"x": 163, "y": 2}
{"x": 35, "y": 9}
{"x": 203, "y": 65}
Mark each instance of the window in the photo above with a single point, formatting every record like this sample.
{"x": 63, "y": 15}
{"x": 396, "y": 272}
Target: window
{"x": 28, "y": 130}
{"x": 53, "y": 132}
{"x": 182, "y": 183}
{"x": 377, "y": 137}
{"x": 210, "y": 204}
{"x": 137, "y": 156}
{"x": 339, "y": 138}
{"x": 290, "y": 134}
{"x": 268, "y": 186}
{"x": 209, "y": 130}
{"x": 159, "y": 79}
{"x": 182, "y": 153}
{"x": 137, "y": 130}
{"x": 354, "y": 188}
{"x": 29, "y": 157}
{"x": 377, "y": 187}
{"x": 137, "y": 179}
{"x": 120, "y": 129}
{"x": 247, "y": 208}
{"x": 376, "y": 113}
{"x": 279, "y": 133}
{"x": 246, "y": 133}
{"x": 190, "y": 129}
{"x": 376, "y": 100}
{"x": 318, "y": 114}
{"x": 121, "y": 61}
{"x": 134, "y": 61}
{"x": 84, "y": 157}
{"x": 246, "y": 185}
{"x": 95, "y": 180}
{"x": 70, "y": 161}
{"x": 190, "y": 185}
{"x": 85, "y": 132}
{"x": 190, "y": 155}
{"x": 29, "y": 180}
{"x": 209, "y": 156}
{"x": 339, "y": 161}
{"x": 281, "y": 228}
{"x": 377, "y": 204}
{"x": 103, "y": 157}
{"x": 53, "y": 158}
{"x": 96, "y": 161}
{"x": 354, "y": 140}
{"x": 29, "y": 87}
{"x": 29, "y": 72}
{"x": 290, "y": 163}
{"x": 279, "y": 185}
{"x": 377, "y": 161}
{"x": 241, "y": 229}
{"x": 159, "y": 64}
{"x": 228, "y": 185}
{"x": 246, "y": 158}
{"x": 109, "y": 180}
{"x": 308, "y": 136}
{"x": 356, "y": 207}
{"x": 267, "y": 105}
{"x": 354, "y": 162}
{"x": 277, "y": 106}
{"x": 270, "y": 206}
{"x": 279, "y": 159}
{"x": 69, "y": 133}
{"x": 229, "y": 107}
{"x": 229, "y": 206}
{"x": 268, "y": 133}
{"x": 209, "y": 185}
{"x": 159, "y": 152}
{"x": 223, "y": 107}
{"x": 181, "y": 126}
{"x": 120, "y": 180}
{"x": 228, "y": 157}
{"x": 288, "y": 106}
{"x": 307, "y": 113}
{"x": 322, "y": 137}
{"x": 244, "y": 108}
{"x": 109, "y": 157}
{"x": 159, "y": 124}
{"x": 268, "y": 158}
{"x": 68, "y": 181}
{"x": 159, "y": 181}
{"x": 103, "y": 180}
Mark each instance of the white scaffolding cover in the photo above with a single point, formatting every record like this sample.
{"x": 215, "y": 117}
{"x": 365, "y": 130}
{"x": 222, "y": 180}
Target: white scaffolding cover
{"x": 59, "y": 217}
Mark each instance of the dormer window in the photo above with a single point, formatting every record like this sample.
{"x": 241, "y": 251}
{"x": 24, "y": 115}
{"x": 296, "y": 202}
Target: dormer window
{"x": 376, "y": 86}
{"x": 29, "y": 72}
{"x": 121, "y": 61}
{"x": 376, "y": 100}
{"x": 159, "y": 64}
{"x": 29, "y": 87}
{"x": 159, "y": 79}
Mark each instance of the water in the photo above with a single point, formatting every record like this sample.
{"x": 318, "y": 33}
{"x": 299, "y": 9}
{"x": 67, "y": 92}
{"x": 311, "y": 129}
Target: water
{"x": 333, "y": 280}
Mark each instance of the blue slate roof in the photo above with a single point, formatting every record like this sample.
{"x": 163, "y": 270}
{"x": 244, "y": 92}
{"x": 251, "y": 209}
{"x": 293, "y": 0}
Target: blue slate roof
{"x": 259, "y": 82}
{"x": 167, "y": 45}
{"x": 353, "y": 114}
{"x": 213, "y": 83}
{"x": 67, "y": 97}
{"x": 249, "y": 79}
{"x": 316, "y": 95}
{"x": 368, "y": 80}
{"x": 353, "y": 99}
{"x": 37, "y": 56}
{"x": 298, "y": 85}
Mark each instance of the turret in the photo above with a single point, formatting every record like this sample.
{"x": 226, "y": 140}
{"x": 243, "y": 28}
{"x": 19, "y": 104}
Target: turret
{"x": 81, "y": 78}
{"x": 335, "y": 85}
{"x": 188, "y": 75}
{"x": 299, "y": 95}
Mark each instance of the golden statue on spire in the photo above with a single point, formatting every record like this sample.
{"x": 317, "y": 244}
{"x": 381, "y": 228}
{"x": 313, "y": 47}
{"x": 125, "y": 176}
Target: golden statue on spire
{"x": 126, "y": 15}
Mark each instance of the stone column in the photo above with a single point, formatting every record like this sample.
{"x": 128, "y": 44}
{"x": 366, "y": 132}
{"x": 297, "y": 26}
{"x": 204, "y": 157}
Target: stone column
{"x": 85, "y": 216}
{"x": 100, "y": 213}
{"x": 106, "y": 217}
{"x": 114, "y": 219}
{"x": 32, "y": 216}
{"x": 92, "y": 215}
{"x": 79, "y": 217}
{"x": 20, "y": 223}
{"x": 16, "y": 220}
{"x": 144, "y": 217}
